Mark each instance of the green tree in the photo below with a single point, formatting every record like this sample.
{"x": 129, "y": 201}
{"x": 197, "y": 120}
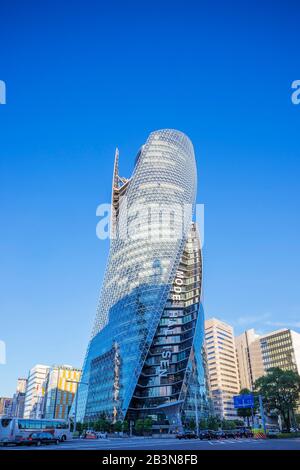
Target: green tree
{"x": 213, "y": 423}
{"x": 192, "y": 424}
{"x": 125, "y": 426}
{"x": 85, "y": 426}
{"x": 118, "y": 426}
{"x": 79, "y": 427}
{"x": 148, "y": 424}
{"x": 238, "y": 422}
{"x": 280, "y": 390}
{"x": 102, "y": 425}
{"x": 245, "y": 413}
{"x": 203, "y": 424}
{"x": 97, "y": 425}
{"x": 139, "y": 426}
{"x": 227, "y": 424}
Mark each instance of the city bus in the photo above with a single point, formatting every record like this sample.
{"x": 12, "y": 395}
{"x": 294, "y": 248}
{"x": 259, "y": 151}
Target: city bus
{"x": 16, "y": 429}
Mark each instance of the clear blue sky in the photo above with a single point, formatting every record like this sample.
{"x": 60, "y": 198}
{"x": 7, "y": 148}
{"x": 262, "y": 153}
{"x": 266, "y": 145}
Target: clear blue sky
{"x": 85, "y": 76}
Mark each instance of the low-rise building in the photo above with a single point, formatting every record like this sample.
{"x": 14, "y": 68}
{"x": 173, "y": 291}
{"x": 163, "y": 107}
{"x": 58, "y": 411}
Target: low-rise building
{"x": 5, "y": 406}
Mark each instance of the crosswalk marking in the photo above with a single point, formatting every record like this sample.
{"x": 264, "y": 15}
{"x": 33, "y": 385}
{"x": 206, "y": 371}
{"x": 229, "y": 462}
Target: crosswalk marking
{"x": 236, "y": 441}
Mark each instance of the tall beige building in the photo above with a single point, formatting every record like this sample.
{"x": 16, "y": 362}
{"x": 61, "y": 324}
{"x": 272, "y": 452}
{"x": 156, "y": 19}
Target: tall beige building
{"x": 281, "y": 348}
{"x": 222, "y": 367}
{"x": 249, "y": 356}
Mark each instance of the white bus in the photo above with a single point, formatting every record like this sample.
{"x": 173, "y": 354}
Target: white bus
{"x": 16, "y": 429}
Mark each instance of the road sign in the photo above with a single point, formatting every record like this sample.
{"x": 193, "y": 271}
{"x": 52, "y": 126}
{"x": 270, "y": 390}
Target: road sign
{"x": 243, "y": 401}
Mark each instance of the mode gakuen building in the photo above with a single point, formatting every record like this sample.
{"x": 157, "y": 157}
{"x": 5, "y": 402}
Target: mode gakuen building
{"x": 146, "y": 354}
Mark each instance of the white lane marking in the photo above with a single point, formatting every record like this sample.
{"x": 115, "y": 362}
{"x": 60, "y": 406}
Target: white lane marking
{"x": 128, "y": 445}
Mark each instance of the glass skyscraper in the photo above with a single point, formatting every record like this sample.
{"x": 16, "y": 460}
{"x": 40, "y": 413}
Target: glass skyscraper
{"x": 146, "y": 354}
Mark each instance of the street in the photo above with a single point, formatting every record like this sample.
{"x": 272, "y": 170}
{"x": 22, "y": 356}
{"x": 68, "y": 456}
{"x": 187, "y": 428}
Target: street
{"x": 168, "y": 444}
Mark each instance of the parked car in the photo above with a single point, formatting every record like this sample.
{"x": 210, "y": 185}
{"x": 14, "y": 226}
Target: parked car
{"x": 220, "y": 434}
{"x": 186, "y": 435}
{"x": 204, "y": 434}
{"x": 246, "y": 432}
{"x": 273, "y": 431}
{"x": 101, "y": 435}
{"x": 213, "y": 434}
{"x": 89, "y": 435}
{"x": 232, "y": 433}
{"x": 37, "y": 439}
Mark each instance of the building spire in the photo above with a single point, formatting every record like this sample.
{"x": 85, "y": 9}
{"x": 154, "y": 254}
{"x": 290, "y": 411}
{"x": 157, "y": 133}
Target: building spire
{"x": 116, "y": 170}
{"x": 119, "y": 186}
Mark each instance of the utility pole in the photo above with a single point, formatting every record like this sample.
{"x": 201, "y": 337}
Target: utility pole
{"x": 262, "y": 413}
{"x": 252, "y": 416}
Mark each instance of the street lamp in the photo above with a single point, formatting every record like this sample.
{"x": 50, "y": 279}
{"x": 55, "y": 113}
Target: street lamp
{"x": 78, "y": 382}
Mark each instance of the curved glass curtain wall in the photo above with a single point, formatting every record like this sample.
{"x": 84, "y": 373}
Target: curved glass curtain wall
{"x": 172, "y": 385}
{"x": 139, "y": 274}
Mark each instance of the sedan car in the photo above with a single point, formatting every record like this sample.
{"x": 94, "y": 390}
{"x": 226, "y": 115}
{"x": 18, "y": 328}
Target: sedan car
{"x": 231, "y": 434}
{"x": 205, "y": 434}
{"x": 219, "y": 435}
{"x": 273, "y": 432}
{"x": 186, "y": 435}
{"x": 101, "y": 435}
{"x": 89, "y": 435}
{"x": 38, "y": 439}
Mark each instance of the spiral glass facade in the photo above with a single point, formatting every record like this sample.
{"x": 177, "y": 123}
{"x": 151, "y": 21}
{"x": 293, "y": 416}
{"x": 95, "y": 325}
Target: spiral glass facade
{"x": 145, "y": 357}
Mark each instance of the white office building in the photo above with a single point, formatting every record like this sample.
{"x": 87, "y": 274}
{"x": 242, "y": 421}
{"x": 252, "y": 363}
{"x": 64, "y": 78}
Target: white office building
{"x": 35, "y": 392}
